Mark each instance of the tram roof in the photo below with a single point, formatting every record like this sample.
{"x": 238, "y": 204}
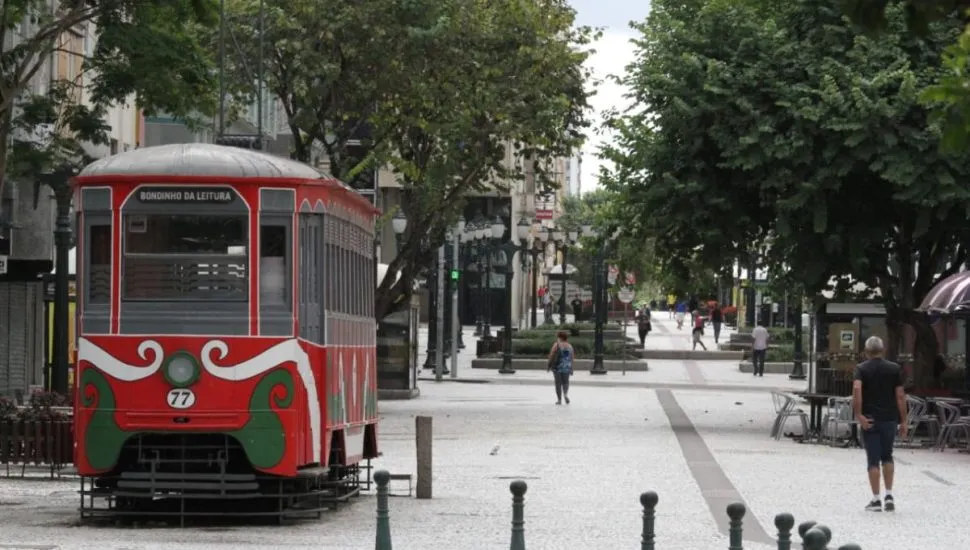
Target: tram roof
{"x": 203, "y": 160}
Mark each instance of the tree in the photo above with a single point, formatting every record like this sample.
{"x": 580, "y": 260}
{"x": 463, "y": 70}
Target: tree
{"x": 145, "y": 49}
{"x": 628, "y": 253}
{"x": 949, "y": 98}
{"x": 443, "y": 91}
{"x": 802, "y": 137}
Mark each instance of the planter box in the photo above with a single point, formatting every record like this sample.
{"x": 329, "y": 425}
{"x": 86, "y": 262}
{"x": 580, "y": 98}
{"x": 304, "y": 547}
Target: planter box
{"x": 486, "y": 347}
{"x": 579, "y": 365}
{"x": 37, "y": 442}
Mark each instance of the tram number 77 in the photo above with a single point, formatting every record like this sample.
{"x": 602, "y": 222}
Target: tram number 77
{"x": 180, "y": 398}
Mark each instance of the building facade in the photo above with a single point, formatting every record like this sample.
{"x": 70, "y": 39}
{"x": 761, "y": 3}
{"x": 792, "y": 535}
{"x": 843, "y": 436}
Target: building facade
{"x": 512, "y": 201}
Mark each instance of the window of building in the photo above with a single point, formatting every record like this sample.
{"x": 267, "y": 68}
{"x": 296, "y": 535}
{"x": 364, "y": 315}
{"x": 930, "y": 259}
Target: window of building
{"x": 185, "y": 257}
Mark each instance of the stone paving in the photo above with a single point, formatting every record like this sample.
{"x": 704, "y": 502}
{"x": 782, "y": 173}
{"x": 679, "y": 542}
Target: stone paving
{"x": 698, "y": 444}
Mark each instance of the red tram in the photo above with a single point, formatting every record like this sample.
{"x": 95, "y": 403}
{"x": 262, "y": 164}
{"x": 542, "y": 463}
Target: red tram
{"x": 226, "y": 334}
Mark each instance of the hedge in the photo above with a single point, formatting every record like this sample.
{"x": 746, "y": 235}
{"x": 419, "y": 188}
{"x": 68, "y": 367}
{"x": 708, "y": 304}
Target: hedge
{"x": 582, "y": 346}
{"x": 784, "y": 353}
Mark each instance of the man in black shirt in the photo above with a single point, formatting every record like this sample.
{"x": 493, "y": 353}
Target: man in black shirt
{"x": 879, "y": 403}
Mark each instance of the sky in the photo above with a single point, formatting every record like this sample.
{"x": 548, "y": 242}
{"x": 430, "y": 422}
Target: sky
{"x": 613, "y": 52}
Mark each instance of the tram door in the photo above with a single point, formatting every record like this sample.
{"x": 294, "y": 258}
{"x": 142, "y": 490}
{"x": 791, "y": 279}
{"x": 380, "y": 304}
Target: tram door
{"x": 311, "y": 277}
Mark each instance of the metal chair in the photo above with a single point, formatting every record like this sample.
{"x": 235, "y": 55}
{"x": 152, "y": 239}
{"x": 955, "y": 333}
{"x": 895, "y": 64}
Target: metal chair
{"x": 785, "y": 408}
{"x": 917, "y": 417}
{"x": 839, "y": 414}
{"x": 951, "y": 422}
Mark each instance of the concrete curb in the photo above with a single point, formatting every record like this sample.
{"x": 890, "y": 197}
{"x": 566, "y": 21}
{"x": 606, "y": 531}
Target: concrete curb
{"x": 397, "y": 395}
{"x": 770, "y": 368}
{"x": 448, "y": 378}
{"x": 494, "y": 363}
{"x": 688, "y": 355}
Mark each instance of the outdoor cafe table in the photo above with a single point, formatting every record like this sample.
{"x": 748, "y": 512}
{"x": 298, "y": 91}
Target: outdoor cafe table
{"x": 816, "y": 401}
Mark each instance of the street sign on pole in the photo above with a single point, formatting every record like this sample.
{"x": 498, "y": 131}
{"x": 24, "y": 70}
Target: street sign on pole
{"x": 612, "y": 275}
{"x": 631, "y": 279}
{"x": 626, "y": 295}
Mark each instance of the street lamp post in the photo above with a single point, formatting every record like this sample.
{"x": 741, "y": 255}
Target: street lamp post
{"x": 484, "y": 234}
{"x": 59, "y": 182}
{"x": 798, "y": 368}
{"x": 599, "y": 299}
{"x": 399, "y": 224}
{"x": 474, "y": 232}
{"x": 538, "y": 244}
{"x": 507, "y": 250}
{"x": 563, "y": 240}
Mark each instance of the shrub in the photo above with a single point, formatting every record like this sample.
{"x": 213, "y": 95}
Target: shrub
{"x": 583, "y": 347}
{"x": 39, "y": 407}
{"x": 781, "y": 335}
{"x": 784, "y": 353}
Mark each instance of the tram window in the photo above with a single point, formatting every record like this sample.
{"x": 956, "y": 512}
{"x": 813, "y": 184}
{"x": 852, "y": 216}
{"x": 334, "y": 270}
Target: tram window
{"x": 99, "y": 260}
{"x": 274, "y": 261}
{"x": 186, "y": 257}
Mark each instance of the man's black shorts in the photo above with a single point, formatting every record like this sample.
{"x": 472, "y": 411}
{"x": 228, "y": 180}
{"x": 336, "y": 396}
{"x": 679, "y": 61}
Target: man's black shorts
{"x": 879, "y": 440}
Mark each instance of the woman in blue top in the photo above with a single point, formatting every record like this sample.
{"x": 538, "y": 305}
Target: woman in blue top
{"x": 561, "y": 364}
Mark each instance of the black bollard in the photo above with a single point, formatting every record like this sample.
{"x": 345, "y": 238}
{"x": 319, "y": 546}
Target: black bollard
{"x": 826, "y": 531}
{"x": 814, "y": 539}
{"x": 649, "y": 502}
{"x": 383, "y": 541}
{"x": 804, "y": 528}
{"x": 784, "y": 523}
{"x": 735, "y": 514}
{"x": 518, "y": 488}
{"x": 850, "y": 546}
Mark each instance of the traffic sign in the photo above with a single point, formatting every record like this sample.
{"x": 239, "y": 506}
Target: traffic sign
{"x": 612, "y": 274}
{"x": 631, "y": 279}
{"x": 626, "y": 295}
{"x": 3, "y": 265}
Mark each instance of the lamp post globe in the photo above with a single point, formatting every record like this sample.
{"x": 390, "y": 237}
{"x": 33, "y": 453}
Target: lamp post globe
{"x": 523, "y": 230}
{"x": 497, "y": 228}
{"x": 399, "y": 223}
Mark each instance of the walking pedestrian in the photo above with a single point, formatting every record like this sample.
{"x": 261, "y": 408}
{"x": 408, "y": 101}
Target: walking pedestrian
{"x": 759, "y": 349}
{"x": 879, "y": 403}
{"x": 561, "y": 365}
{"x": 698, "y": 330}
{"x": 643, "y": 325}
{"x": 671, "y": 302}
{"x": 681, "y": 313}
{"x": 717, "y": 317}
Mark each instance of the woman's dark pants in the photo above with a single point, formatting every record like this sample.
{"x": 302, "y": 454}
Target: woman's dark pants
{"x": 562, "y": 384}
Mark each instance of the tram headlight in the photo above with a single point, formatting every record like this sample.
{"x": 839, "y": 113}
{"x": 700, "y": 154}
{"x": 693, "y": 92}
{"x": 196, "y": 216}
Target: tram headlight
{"x": 181, "y": 369}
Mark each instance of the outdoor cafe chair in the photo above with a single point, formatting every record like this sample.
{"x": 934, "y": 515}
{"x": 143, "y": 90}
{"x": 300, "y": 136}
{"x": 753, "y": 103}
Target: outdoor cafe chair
{"x": 785, "y": 408}
{"x": 839, "y": 414}
{"x": 951, "y": 422}
{"x": 917, "y": 417}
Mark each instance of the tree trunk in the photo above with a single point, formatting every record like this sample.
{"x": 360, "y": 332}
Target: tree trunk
{"x": 5, "y": 123}
{"x": 925, "y": 348}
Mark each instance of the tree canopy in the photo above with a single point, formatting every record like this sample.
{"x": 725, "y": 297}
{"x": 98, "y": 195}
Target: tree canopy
{"x": 143, "y": 49}
{"x": 446, "y": 92}
{"x": 781, "y": 130}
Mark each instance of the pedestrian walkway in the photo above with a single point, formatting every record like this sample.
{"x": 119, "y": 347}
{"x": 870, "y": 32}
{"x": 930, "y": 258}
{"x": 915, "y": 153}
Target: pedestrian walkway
{"x": 586, "y": 465}
{"x": 705, "y": 374}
